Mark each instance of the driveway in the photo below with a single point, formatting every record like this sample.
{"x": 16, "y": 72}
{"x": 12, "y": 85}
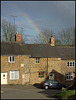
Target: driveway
{"x": 26, "y": 92}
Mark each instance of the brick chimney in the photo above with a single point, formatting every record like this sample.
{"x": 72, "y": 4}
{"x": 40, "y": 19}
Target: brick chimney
{"x": 52, "y": 41}
{"x": 18, "y": 37}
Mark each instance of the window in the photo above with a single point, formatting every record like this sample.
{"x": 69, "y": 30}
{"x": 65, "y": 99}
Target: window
{"x": 14, "y": 75}
{"x": 69, "y": 76}
{"x": 3, "y": 75}
{"x": 70, "y": 63}
{"x": 41, "y": 74}
{"x": 51, "y": 76}
{"x": 11, "y": 59}
{"x": 37, "y": 60}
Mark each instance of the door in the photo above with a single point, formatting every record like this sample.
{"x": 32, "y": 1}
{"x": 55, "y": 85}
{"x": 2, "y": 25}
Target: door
{"x": 3, "y": 78}
{"x": 27, "y": 78}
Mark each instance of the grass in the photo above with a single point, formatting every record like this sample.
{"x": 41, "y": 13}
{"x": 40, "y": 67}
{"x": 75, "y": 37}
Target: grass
{"x": 66, "y": 94}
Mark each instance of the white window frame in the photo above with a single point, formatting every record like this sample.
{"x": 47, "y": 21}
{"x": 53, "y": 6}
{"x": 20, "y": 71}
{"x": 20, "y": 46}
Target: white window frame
{"x": 37, "y": 60}
{"x": 70, "y": 62}
{"x": 70, "y": 76}
{"x": 12, "y": 61}
{"x": 14, "y": 75}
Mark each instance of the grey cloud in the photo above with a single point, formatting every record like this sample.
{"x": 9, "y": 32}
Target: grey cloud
{"x": 52, "y": 14}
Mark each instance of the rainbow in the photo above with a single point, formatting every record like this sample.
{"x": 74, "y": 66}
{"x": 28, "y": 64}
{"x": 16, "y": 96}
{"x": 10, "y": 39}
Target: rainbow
{"x": 35, "y": 28}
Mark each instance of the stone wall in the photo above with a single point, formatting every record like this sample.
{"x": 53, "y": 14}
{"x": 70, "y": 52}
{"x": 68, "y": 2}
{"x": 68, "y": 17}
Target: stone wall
{"x": 20, "y": 63}
{"x": 64, "y": 70}
{"x": 51, "y": 63}
{"x": 29, "y": 69}
{"x": 36, "y": 68}
{"x": 55, "y": 65}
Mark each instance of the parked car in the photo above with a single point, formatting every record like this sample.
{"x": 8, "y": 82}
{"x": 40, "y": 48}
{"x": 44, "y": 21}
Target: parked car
{"x": 52, "y": 84}
{"x": 71, "y": 87}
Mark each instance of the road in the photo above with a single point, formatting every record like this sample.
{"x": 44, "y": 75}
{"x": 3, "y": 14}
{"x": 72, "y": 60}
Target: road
{"x": 26, "y": 92}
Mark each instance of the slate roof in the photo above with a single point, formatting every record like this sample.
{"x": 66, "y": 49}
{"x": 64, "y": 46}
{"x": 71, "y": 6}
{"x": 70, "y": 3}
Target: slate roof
{"x": 46, "y": 50}
{"x": 38, "y": 50}
{"x": 43, "y": 50}
{"x": 8, "y": 48}
{"x": 66, "y": 53}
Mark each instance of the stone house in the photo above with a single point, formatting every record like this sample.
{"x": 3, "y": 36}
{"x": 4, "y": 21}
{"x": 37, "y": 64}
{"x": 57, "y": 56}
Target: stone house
{"x": 33, "y": 63}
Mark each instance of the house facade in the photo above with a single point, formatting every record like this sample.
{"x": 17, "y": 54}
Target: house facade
{"x": 33, "y": 63}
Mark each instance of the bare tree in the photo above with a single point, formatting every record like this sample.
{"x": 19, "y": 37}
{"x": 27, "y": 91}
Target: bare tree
{"x": 44, "y": 39}
{"x": 24, "y": 38}
{"x": 73, "y": 41}
{"x": 8, "y": 30}
{"x": 38, "y": 40}
{"x": 58, "y": 42}
{"x": 67, "y": 36}
{"x": 47, "y": 34}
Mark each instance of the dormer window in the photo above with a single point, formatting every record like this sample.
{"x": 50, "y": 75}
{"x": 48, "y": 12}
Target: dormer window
{"x": 37, "y": 60}
{"x": 11, "y": 59}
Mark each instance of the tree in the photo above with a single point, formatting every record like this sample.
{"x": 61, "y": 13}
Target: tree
{"x": 58, "y": 42}
{"x": 73, "y": 41}
{"x": 38, "y": 40}
{"x": 67, "y": 36}
{"x": 8, "y": 30}
{"x": 24, "y": 39}
{"x": 44, "y": 39}
{"x": 47, "y": 34}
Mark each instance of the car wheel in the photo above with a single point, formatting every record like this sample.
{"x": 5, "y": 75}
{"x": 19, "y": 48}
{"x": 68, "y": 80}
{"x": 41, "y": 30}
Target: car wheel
{"x": 46, "y": 87}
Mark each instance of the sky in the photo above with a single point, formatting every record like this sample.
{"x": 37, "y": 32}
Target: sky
{"x": 35, "y": 16}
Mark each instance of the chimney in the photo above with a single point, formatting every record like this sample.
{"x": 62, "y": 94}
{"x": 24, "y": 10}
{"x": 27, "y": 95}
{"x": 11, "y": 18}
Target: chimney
{"x": 52, "y": 41}
{"x": 18, "y": 37}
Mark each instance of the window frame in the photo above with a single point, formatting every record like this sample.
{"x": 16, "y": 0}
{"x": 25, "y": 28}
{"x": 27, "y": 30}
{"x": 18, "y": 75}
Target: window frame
{"x": 12, "y": 60}
{"x": 52, "y": 76}
{"x": 70, "y": 63}
{"x": 42, "y": 75}
{"x": 70, "y": 76}
{"x": 14, "y": 72}
{"x": 37, "y": 60}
